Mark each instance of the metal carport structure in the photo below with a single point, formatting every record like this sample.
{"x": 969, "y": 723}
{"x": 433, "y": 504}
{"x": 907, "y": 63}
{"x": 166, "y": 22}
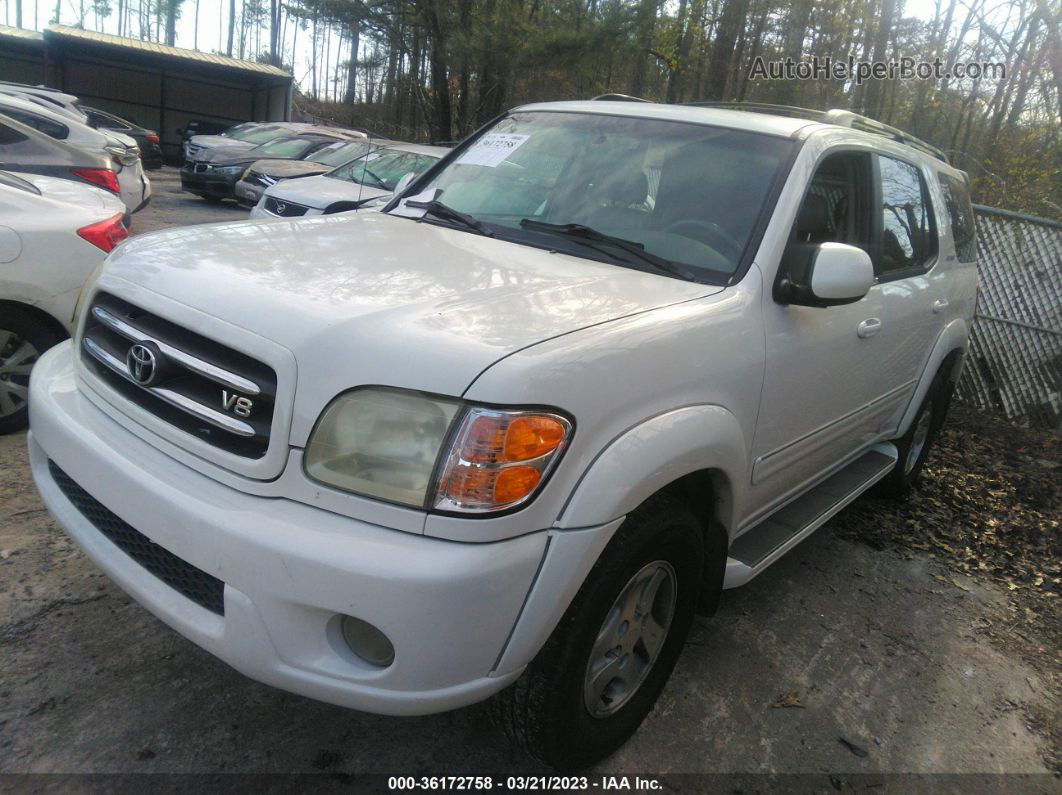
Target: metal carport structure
{"x": 153, "y": 84}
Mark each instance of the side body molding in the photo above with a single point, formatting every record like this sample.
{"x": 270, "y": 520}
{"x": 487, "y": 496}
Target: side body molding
{"x": 953, "y": 337}
{"x": 649, "y": 456}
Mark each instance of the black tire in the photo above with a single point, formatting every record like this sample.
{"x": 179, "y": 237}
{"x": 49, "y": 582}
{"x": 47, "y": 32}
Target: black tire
{"x": 212, "y": 199}
{"x": 912, "y": 447}
{"x": 546, "y": 711}
{"x": 20, "y": 328}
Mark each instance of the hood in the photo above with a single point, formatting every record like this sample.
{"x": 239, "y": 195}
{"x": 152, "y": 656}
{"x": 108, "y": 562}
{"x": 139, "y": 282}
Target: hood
{"x": 369, "y": 298}
{"x": 321, "y": 191}
{"x": 288, "y": 169}
{"x": 70, "y": 192}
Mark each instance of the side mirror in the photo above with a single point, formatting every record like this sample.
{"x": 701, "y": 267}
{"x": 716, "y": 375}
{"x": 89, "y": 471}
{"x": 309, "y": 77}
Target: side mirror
{"x": 404, "y": 183}
{"x": 827, "y": 274}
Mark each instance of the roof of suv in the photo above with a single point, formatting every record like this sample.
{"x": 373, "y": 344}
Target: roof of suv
{"x": 736, "y": 119}
{"x": 777, "y": 120}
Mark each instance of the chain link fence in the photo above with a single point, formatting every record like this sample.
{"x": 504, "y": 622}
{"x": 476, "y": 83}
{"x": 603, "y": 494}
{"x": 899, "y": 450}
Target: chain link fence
{"x": 1014, "y": 365}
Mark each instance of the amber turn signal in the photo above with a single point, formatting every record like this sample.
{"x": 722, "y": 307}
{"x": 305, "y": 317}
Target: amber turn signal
{"x": 531, "y": 437}
{"x": 515, "y": 483}
{"x": 499, "y": 458}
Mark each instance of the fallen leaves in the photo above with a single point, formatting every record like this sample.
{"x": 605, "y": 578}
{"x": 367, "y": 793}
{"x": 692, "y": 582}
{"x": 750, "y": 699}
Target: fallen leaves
{"x": 986, "y": 505}
{"x": 789, "y": 701}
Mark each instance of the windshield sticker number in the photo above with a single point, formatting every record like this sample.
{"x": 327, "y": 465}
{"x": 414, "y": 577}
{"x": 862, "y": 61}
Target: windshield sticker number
{"x": 492, "y": 149}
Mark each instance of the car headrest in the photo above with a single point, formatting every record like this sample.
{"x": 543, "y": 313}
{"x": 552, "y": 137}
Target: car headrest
{"x": 630, "y": 187}
{"x": 814, "y": 216}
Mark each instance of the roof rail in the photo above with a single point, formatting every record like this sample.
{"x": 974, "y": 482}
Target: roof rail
{"x": 838, "y": 117}
{"x": 618, "y": 98}
{"x": 27, "y": 85}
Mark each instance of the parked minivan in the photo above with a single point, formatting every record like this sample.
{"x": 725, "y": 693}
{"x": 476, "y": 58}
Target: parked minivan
{"x": 508, "y": 435}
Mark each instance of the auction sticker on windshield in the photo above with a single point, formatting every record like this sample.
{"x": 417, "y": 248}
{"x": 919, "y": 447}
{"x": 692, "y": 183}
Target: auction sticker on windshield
{"x": 492, "y": 149}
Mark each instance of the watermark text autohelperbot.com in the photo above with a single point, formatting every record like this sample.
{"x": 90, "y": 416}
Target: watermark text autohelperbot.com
{"x": 858, "y": 72}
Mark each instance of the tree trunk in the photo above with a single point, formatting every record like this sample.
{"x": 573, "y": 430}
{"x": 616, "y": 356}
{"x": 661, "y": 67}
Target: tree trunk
{"x": 872, "y": 104}
{"x": 676, "y": 67}
{"x": 232, "y": 26}
{"x": 796, "y": 29}
{"x": 351, "y": 94}
{"x": 730, "y": 21}
{"x": 646, "y": 23}
{"x": 441, "y": 121}
{"x": 172, "y": 7}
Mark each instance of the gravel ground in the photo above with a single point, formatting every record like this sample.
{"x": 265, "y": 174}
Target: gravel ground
{"x": 865, "y": 650}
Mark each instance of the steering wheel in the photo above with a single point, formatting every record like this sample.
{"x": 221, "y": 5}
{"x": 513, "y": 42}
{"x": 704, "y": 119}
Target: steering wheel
{"x": 727, "y": 244}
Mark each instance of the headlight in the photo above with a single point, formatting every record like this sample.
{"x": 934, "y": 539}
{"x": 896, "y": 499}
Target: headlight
{"x": 430, "y": 452}
{"x": 227, "y": 170}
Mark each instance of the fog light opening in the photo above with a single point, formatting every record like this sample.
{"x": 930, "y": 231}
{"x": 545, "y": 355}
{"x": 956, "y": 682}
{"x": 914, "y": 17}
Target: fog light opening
{"x": 367, "y": 642}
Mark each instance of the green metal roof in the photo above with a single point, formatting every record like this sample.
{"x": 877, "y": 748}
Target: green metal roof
{"x": 154, "y": 48}
{"x": 20, "y": 33}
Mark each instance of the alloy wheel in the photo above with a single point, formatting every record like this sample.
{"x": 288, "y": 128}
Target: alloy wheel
{"x": 630, "y": 639}
{"x": 17, "y": 356}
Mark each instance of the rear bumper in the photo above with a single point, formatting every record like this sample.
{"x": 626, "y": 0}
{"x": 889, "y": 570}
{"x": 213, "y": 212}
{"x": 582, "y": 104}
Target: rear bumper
{"x": 289, "y": 570}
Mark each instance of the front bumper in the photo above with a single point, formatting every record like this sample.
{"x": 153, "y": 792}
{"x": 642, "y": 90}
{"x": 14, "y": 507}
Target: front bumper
{"x": 208, "y": 183}
{"x": 289, "y": 570}
{"x": 247, "y": 194}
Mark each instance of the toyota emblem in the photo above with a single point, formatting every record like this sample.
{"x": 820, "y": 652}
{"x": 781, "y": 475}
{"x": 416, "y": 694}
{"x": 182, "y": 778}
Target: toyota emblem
{"x": 142, "y": 364}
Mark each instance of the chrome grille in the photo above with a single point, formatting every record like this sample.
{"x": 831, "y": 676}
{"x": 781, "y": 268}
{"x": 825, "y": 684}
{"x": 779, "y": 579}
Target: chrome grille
{"x": 200, "y": 168}
{"x": 284, "y": 209}
{"x": 201, "y": 387}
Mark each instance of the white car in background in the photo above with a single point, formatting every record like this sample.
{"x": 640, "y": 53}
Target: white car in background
{"x": 53, "y": 234}
{"x": 355, "y": 184}
{"x": 131, "y": 184}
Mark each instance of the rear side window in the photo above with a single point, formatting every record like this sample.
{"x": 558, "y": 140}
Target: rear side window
{"x": 907, "y": 240}
{"x": 9, "y": 135}
{"x": 960, "y": 215}
{"x": 46, "y": 126}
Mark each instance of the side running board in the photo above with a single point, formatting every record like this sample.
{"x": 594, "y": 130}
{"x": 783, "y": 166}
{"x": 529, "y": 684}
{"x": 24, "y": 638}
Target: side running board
{"x": 759, "y": 547}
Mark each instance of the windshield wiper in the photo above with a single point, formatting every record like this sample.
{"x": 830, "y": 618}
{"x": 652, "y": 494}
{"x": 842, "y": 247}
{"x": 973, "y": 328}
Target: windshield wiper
{"x": 379, "y": 182}
{"x": 440, "y": 210}
{"x": 590, "y": 235}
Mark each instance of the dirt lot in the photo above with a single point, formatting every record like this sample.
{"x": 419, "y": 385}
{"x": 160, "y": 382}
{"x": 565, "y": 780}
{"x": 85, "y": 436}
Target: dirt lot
{"x": 922, "y": 637}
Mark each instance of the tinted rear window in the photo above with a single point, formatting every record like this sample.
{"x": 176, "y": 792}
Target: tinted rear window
{"x": 960, "y": 216}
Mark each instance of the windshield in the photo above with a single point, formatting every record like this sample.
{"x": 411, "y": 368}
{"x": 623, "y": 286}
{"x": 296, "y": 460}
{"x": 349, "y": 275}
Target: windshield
{"x": 257, "y": 135}
{"x": 383, "y": 169}
{"x": 340, "y": 153}
{"x": 687, "y": 193}
{"x": 285, "y": 147}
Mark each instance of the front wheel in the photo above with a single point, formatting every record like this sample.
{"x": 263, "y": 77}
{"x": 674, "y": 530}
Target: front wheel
{"x": 610, "y": 656}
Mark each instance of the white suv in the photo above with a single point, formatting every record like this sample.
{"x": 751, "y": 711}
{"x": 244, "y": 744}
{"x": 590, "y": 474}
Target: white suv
{"x": 601, "y": 362}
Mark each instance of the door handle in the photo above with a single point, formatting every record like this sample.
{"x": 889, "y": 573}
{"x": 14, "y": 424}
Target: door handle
{"x": 869, "y": 327}
{"x": 940, "y": 305}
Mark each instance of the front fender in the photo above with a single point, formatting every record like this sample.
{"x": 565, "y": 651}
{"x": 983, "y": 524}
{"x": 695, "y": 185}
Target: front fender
{"x": 659, "y": 451}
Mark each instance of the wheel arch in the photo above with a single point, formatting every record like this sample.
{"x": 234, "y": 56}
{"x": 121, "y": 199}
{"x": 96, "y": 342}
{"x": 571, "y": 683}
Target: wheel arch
{"x": 694, "y": 450}
{"x": 36, "y": 313}
{"x": 947, "y": 355}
